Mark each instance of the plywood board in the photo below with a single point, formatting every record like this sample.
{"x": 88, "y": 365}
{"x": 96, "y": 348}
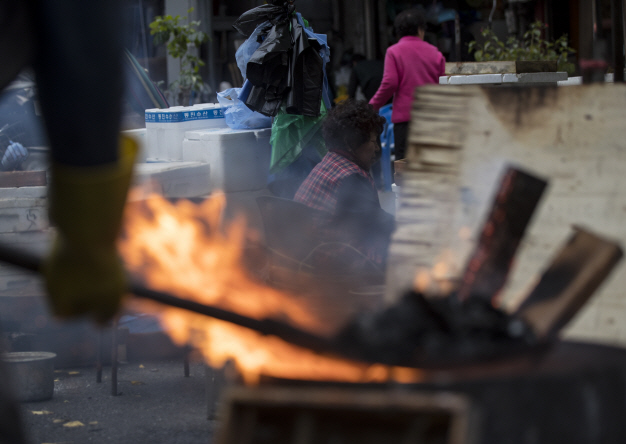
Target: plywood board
{"x": 575, "y": 137}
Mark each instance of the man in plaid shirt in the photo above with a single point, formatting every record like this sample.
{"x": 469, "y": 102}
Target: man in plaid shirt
{"x": 352, "y": 222}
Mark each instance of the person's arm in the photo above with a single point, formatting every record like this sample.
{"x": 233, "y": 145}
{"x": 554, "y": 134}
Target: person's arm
{"x": 442, "y": 67}
{"x": 389, "y": 84}
{"x": 359, "y": 212}
{"x": 80, "y": 83}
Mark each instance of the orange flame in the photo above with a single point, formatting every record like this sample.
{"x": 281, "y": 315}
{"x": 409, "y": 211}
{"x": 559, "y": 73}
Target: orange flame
{"x": 439, "y": 280}
{"x": 184, "y": 249}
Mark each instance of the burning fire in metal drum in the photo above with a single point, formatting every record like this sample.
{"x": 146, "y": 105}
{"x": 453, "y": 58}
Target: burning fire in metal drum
{"x": 182, "y": 248}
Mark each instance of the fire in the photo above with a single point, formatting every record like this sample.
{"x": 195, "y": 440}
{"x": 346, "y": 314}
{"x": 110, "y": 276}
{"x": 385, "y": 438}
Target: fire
{"x": 184, "y": 249}
{"x": 439, "y": 280}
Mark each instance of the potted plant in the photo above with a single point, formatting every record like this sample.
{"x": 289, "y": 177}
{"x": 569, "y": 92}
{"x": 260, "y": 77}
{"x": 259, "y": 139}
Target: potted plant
{"x": 531, "y": 49}
{"x": 181, "y": 40}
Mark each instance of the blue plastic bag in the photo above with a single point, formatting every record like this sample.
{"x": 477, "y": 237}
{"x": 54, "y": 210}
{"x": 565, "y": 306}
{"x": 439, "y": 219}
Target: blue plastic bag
{"x": 247, "y": 48}
{"x": 237, "y": 114}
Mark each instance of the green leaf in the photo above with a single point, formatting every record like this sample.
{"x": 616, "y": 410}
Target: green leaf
{"x": 160, "y": 37}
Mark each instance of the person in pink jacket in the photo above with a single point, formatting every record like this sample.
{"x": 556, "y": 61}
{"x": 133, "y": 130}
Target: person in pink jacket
{"x": 408, "y": 64}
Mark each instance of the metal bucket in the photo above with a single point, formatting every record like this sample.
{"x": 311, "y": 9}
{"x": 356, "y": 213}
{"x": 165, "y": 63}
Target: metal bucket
{"x": 31, "y": 373}
{"x": 368, "y": 297}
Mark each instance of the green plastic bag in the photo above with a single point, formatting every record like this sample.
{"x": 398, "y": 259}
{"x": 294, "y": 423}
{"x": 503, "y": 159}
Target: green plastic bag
{"x": 291, "y": 133}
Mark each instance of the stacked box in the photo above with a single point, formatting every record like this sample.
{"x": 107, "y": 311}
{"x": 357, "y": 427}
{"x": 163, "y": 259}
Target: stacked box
{"x": 24, "y": 225}
{"x": 239, "y": 159}
{"x": 165, "y": 128}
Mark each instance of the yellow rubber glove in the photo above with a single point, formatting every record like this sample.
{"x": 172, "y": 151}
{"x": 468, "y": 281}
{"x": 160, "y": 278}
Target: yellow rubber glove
{"x": 84, "y": 274}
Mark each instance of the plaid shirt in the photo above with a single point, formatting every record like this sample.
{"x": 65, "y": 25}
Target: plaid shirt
{"x": 320, "y": 191}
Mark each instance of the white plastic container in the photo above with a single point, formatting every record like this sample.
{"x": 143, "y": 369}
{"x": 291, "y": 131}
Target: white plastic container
{"x": 239, "y": 159}
{"x": 165, "y": 128}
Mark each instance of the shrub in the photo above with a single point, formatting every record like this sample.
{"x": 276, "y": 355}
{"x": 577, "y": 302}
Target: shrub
{"x": 180, "y": 40}
{"x": 532, "y": 47}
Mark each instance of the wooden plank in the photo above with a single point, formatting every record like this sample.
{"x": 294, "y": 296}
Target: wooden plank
{"x": 573, "y": 276}
{"x": 307, "y": 413}
{"x": 15, "y": 179}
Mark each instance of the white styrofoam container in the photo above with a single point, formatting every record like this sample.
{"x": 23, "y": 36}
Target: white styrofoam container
{"x": 174, "y": 179}
{"x": 165, "y": 128}
{"x": 239, "y": 159}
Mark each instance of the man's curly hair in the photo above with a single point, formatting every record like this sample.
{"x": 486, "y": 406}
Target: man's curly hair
{"x": 350, "y": 124}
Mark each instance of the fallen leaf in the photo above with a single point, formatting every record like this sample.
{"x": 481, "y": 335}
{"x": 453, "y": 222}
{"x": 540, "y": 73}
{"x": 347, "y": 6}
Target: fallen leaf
{"x": 73, "y": 373}
{"x": 93, "y": 422}
{"x": 57, "y": 380}
{"x": 56, "y": 421}
{"x": 73, "y": 424}
{"x": 40, "y": 412}
{"x": 141, "y": 366}
{"x": 136, "y": 383}
{"x": 66, "y": 400}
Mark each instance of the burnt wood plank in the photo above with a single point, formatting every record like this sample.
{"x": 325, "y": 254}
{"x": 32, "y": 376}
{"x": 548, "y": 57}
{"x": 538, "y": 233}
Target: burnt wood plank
{"x": 488, "y": 267}
{"x": 575, "y": 273}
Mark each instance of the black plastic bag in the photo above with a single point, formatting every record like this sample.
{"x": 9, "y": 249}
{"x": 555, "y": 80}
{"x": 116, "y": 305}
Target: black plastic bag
{"x": 288, "y": 66}
{"x": 306, "y": 77}
{"x": 268, "y": 71}
{"x": 249, "y": 20}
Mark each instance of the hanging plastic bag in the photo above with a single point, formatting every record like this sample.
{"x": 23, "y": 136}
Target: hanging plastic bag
{"x": 291, "y": 133}
{"x": 268, "y": 71}
{"x": 306, "y": 73}
{"x": 249, "y": 20}
{"x": 237, "y": 115}
{"x": 247, "y": 48}
{"x": 324, "y": 52}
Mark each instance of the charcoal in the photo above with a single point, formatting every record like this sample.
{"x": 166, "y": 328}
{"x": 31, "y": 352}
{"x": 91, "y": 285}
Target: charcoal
{"x": 418, "y": 331}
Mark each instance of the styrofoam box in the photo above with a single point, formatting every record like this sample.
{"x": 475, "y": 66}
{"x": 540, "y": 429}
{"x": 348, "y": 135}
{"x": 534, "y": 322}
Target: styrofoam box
{"x": 165, "y": 128}
{"x": 174, "y": 179}
{"x": 239, "y": 159}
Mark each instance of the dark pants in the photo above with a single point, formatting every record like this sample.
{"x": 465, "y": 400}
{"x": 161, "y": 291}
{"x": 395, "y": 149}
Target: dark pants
{"x": 400, "y": 131}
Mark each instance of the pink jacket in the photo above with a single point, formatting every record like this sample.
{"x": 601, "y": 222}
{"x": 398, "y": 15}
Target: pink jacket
{"x": 408, "y": 64}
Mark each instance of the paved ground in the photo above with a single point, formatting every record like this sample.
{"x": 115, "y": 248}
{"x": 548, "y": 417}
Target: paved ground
{"x": 156, "y": 404}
